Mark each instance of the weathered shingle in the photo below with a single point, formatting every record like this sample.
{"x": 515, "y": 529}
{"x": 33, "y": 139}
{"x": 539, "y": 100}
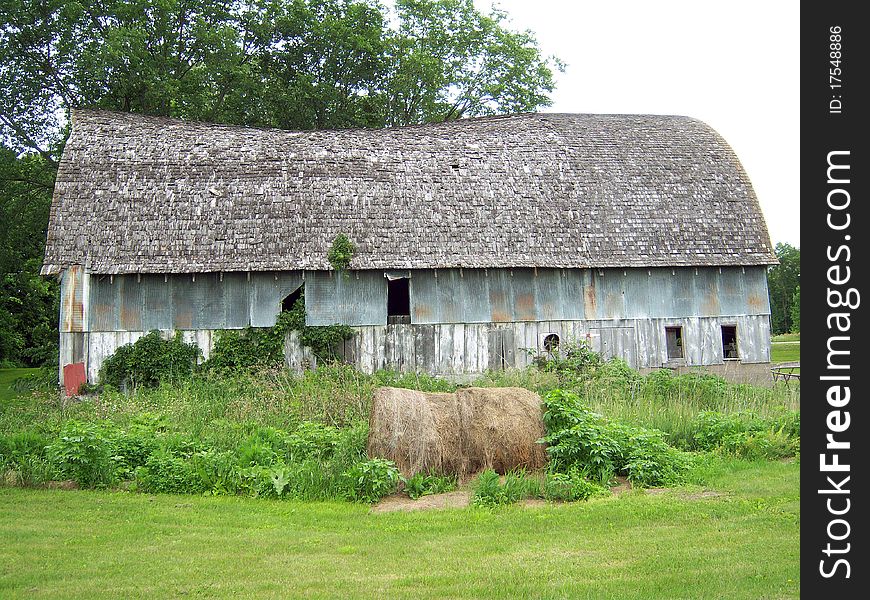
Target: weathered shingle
{"x": 145, "y": 194}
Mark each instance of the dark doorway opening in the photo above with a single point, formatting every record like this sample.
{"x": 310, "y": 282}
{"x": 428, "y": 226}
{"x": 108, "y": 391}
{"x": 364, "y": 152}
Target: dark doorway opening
{"x": 398, "y": 301}
{"x": 288, "y": 302}
{"x": 729, "y": 342}
{"x": 674, "y": 341}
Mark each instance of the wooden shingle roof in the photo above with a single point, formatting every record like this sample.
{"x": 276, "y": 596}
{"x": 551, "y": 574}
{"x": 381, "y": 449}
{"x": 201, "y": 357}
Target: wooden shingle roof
{"x": 146, "y": 194}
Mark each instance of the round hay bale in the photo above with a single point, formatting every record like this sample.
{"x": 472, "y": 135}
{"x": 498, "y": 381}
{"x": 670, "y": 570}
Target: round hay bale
{"x": 500, "y": 429}
{"x": 457, "y": 434}
{"x": 419, "y": 431}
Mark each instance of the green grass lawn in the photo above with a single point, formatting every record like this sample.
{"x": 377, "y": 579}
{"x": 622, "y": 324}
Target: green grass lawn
{"x": 785, "y": 352}
{"x": 7, "y": 377}
{"x": 787, "y": 337}
{"x": 86, "y": 544}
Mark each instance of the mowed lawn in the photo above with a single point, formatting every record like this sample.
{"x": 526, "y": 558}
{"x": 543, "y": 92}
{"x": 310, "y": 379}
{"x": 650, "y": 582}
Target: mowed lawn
{"x": 743, "y": 543}
{"x": 786, "y": 348}
{"x": 8, "y": 377}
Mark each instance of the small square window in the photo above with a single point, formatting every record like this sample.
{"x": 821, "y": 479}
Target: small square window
{"x": 674, "y": 341}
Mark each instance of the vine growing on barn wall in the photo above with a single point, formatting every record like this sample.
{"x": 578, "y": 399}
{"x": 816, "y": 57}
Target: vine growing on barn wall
{"x": 341, "y": 252}
{"x": 264, "y": 346}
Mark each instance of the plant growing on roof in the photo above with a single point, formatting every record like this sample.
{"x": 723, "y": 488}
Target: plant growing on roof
{"x": 341, "y": 252}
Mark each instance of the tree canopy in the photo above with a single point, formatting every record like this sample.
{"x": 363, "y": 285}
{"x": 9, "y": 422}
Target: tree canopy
{"x": 783, "y": 282}
{"x": 292, "y": 64}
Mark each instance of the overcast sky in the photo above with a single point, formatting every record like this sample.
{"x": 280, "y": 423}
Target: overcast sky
{"x": 734, "y": 65}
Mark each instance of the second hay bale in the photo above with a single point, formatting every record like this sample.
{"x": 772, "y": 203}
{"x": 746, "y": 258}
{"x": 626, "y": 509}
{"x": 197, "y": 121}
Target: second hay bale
{"x": 500, "y": 429}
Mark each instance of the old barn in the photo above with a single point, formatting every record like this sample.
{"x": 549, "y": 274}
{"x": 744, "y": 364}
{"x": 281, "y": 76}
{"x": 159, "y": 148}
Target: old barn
{"x": 478, "y": 241}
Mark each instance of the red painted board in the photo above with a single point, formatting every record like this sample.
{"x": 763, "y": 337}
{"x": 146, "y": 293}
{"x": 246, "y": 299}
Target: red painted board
{"x": 73, "y": 378}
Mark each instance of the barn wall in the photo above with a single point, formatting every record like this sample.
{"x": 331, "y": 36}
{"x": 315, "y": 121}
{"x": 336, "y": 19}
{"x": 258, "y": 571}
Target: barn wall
{"x": 451, "y": 349}
{"x": 462, "y": 320}
{"x": 188, "y": 302}
{"x": 359, "y": 298}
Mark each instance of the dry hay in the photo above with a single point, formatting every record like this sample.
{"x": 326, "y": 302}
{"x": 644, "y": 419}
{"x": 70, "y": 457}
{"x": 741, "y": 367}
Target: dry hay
{"x": 460, "y": 433}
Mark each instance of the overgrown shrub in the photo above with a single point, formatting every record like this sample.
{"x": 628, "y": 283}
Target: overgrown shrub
{"x": 578, "y": 438}
{"x": 84, "y": 452}
{"x": 571, "y": 360}
{"x": 341, "y": 252}
{"x": 371, "y": 480}
{"x": 422, "y": 484}
{"x": 169, "y": 473}
{"x": 148, "y": 361}
{"x": 489, "y": 491}
{"x": 264, "y": 346}
{"x": 746, "y": 435}
{"x": 23, "y": 458}
{"x": 569, "y": 487}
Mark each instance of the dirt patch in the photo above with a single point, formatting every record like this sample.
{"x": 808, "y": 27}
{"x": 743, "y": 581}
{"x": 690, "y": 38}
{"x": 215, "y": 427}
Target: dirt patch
{"x": 685, "y": 495}
{"x": 622, "y": 486}
{"x": 69, "y": 484}
{"x": 401, "y": 502}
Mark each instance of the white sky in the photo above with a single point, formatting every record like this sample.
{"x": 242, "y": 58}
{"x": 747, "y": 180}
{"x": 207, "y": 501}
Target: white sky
{"x": 734, "y": 65}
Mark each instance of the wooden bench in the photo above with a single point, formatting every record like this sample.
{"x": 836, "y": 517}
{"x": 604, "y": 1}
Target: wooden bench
{"x": 786, "y": 372}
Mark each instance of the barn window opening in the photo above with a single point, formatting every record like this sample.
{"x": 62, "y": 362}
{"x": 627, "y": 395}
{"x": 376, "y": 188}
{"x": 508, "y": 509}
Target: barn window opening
{"x": 729, "y": 342}
{"x": 674, "y": 341}
{"x": 551, "y": 342}
{"x": 288, "y": 302}
{"x": 398, "y": 301}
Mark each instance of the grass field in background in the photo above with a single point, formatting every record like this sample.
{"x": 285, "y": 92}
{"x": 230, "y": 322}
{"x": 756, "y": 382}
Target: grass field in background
{"x": 91, "y": 544}
{"x": 8, "y": 377}
{"x": 785, "y": 352}
{"x": 786, "y": 337}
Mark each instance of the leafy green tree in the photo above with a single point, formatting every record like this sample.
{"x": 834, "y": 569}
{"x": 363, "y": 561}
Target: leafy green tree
{"x": 299, "y": 64}
{"x": 28, "y": 303}
{"x": 796, "y": 311}
{"x": 783, "y": 280}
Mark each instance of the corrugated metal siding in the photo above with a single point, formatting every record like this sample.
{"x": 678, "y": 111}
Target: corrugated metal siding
{"x": 495, "y": 295}
{"x": 209, "y": 301}
{"x": 187, "y": 302}
{"x": 267, "y": 291}
{"x": 353, "y": 298}
{"x": 681, "y": 292}
{"x": 72, "y": 300}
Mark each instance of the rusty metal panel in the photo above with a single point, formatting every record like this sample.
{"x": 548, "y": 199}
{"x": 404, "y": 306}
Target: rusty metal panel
{"x": 706, "y": 292}
{"x": 237, "y": 300}
{"x": 267, "y": 292}
{"x": 72, "y": 309}
{"x": 523, "y": 295}
{"x": 496, "y": 295}
{"x": 130, "y": 303}
{"x": 473, "y": 289}
{"x": 448, "y": 301}
{"x": 156, "y": 302}
{"x": 755, "y": 288}
{"x": 355, "y": 298}
{"x": 559, "y": 294}
{"x": 187, "y": 298}
{"x": 732, "y": 292}
{"x": 103, "y": 309}
{"x": 500, "y": 296}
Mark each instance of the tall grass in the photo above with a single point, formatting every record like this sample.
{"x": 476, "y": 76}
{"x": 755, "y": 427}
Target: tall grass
{"x": 232, "y": 404}
{"x": 660, "y": 400}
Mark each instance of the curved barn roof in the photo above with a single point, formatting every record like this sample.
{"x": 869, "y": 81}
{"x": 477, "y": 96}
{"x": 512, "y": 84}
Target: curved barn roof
{"x": 146, "y": 194}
